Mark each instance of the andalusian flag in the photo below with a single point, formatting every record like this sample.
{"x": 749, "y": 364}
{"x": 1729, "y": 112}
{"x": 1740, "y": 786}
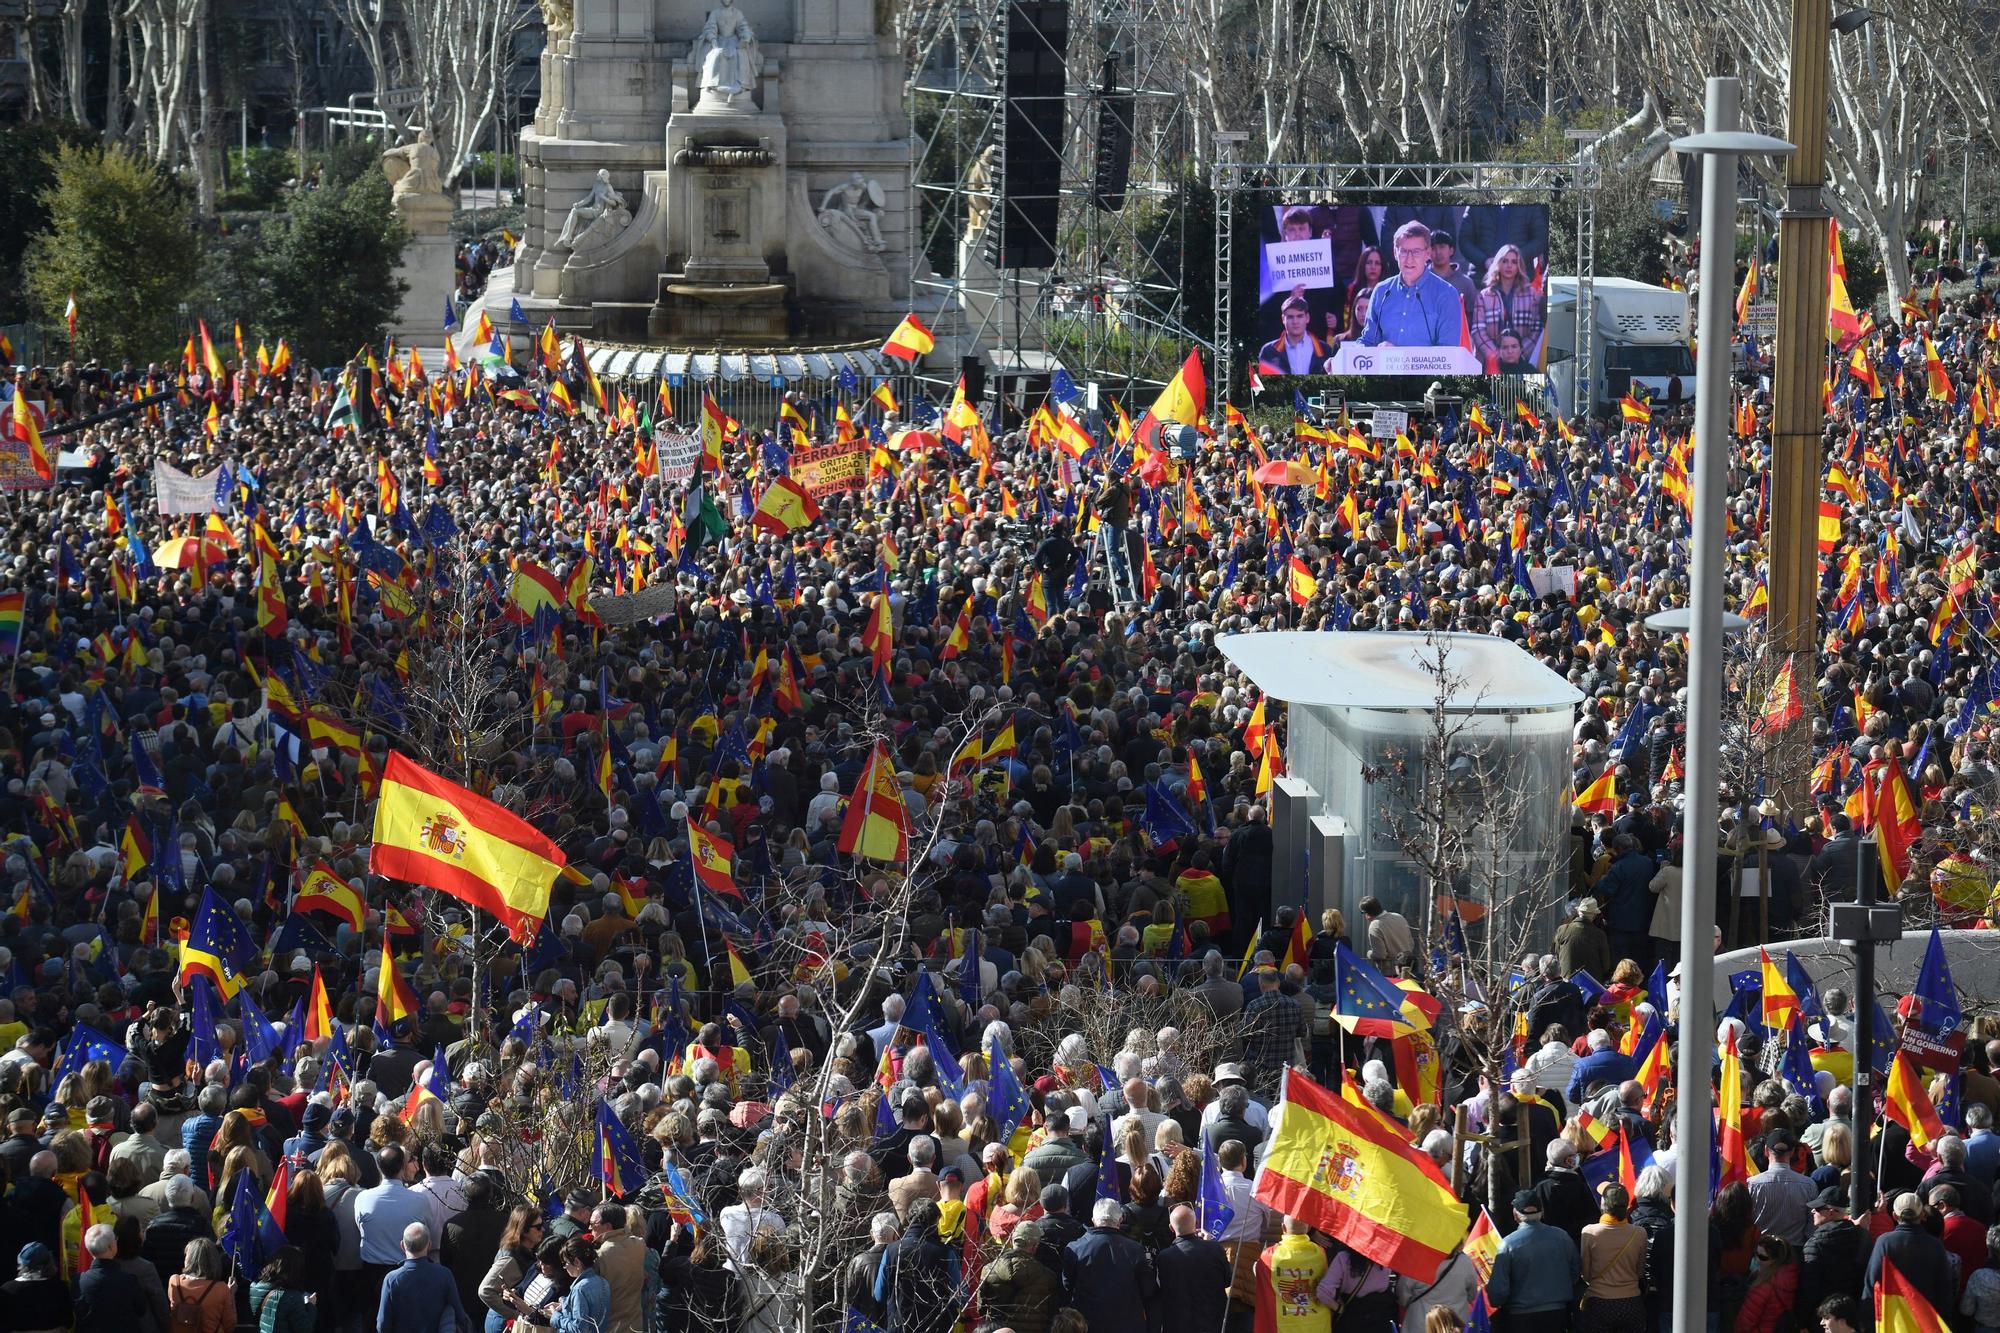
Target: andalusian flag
{"x": 435, "y": 833}
{"x": 877, "y": 826}
{"x": 1349, "y": 1172}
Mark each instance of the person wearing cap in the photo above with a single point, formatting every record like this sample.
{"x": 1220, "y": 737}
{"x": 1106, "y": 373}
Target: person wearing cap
{"x": 1612, "y": 1259}
{"x": 1834, "y": 1251}
{"x": 1782, "y": 1198}
{"x": 1016, "y": 1290}
{"x": 1535, "y": 1272}
{"x": 1581, "y": 944}
{"x": 1918, "y": 1255}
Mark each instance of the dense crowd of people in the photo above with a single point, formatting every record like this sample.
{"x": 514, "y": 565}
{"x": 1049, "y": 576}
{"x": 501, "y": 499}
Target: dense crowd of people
{"x": 1024, "y": 1079}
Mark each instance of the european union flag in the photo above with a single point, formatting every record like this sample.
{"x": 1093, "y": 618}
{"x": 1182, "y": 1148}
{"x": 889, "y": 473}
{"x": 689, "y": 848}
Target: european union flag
{"x": 925, "y": 1011}
{"x": 1366, "y": 1003}
{"x": 1004, "y": 1099}
{"x": 260, "y": 1034}
{"x": 1299, "y": 402}
{"x": 450, "y": 313}
{"x": 85, "y": 1044}
{"x": 847, "y": 380}
{"x": 1062, "y": 388}
{"x": 857, "y": 1322}
{"x": 618, "y": 1163}
{"x": 1212, "y": 1200}
{"x": 218, "y": 946}
{"x": 1797, "y": 1070}
{"x": 1801, "y": 984}
{"x": 1107, "y": 1165}
{"x": 781, "y": 1064}
{"x": 1592, "y": 988}
{"x": 515, "y": 313}
{"x": 681, "y": 1205}
{"x": 252, "y": 1235}
{"x": 1164, "y": 820}
{"x": 1938, "y": 1009}
{"x": 968, "y": 974}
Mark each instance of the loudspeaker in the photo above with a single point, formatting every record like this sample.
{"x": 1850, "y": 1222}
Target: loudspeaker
{"x": 973, "y": 369}
{"x": 1114, "y": 140}
{"x": 1031, "y": 160}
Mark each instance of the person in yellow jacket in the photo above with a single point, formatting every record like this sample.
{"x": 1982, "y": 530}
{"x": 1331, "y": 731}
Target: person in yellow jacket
{"x": 1288, "y": 1275}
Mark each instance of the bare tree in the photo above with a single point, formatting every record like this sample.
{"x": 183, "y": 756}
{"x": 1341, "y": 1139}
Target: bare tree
{"x": 1257, "y": 66}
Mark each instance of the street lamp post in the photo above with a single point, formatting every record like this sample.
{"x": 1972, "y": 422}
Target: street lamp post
{"x": 1720, "y": 144}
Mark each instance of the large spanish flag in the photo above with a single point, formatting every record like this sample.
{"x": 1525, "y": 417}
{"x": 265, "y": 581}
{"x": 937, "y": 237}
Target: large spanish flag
{"x": 877, "y": 826}
{"x": 1349, "y": 1172}
{"x": 436, "y": 833}
{"x": 910, "y": 342}
{"x": 1182, "y": 402}
{"x": 1897, "y": 826}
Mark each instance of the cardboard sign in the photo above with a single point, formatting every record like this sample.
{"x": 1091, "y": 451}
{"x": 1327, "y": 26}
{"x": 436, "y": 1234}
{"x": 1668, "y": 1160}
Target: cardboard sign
{"x": 678, "y": 455}
{"x": 1939, "y": 1053}
{"x": 1289, "y": 264}
{"x": 1388, "y": 424}
{"x": 1553, "y": 579}
{"x": 835, "y": 468}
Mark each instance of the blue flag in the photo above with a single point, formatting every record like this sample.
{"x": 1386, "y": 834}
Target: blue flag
{"x": 1212, "y": 1200}
{"x": 618, "y": 1163}
{"x": 85, "y": 1044}
{"x": 515, "y": 313}
{"x": 252, "y": 1235}
{"x": 1938, "y": 1008}
{"x": 925, "y": 1011}
{"x": 968, "y": 971}
{"x": 1797, "y": 1070}
{"x": 1005, "y": 1101}
{"x": 450, "y": 313}
{"x": 260, "y": 1034}
{"x": 202, "y": 1045}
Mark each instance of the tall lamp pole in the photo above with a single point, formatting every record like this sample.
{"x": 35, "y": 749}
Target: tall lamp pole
{"x": 1797, "y": 373}
{"x": 1720, "y": 144}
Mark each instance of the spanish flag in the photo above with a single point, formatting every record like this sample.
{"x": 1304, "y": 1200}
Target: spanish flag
{"x": 1182, "y": 402}
{"x": 1731, "y": 1151}
{"x": 1601, "y": 796}
{"x": 877, "y": 826}
{"x": 1780, "y": 1000}
{"x": 394, "y": 1000}
{"x": 1829, "y": 526}
{"x": 714, "y": 860}
{"x": 1897, "y": 825}
{"x": 1782, "y": 705}
{"x": 1905, "y": 1102}
{"x": 738, "y": 973}
{"x": 435, "y": 833}
{"x": 25, "y": 428}
{"x": 1303, "y": 584}
{"x": 785, "y": 507}
{"x": 325, "y": 891}
{"x": 319, "y": 1011}
{"x": 1349, "y": 1172}
{"x": 1900, "y": 1307}
{"x": 532, "y": 589}
{"x": 1632, "y": 409}
{"x": 910, "y": 341}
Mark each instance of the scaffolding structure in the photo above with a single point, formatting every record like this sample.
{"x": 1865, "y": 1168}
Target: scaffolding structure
{"x": 1111, "y": 308}
{"x": 1352, "y": 182}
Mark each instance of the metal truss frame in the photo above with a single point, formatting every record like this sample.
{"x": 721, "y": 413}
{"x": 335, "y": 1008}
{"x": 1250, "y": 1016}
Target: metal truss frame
{"x": 1116, "y": 294}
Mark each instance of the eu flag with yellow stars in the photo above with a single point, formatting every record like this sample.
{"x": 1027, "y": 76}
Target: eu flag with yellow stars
{"x": 1369, "y": 1005}
{"x": 618, "y": 1164}
{"x": 218, "y": 947}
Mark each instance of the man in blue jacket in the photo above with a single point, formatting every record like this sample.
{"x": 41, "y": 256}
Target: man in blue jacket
{"x": 1626, "y": 889}
{"x": 1605, "y": 1064}
{"x": 1108, "y": 1277}
{"x": 1535, "y": 1273}
{"x": 420, "y": 1296}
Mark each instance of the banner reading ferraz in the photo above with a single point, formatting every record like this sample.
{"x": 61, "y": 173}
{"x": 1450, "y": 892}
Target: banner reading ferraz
{"x": 837, "y": 467}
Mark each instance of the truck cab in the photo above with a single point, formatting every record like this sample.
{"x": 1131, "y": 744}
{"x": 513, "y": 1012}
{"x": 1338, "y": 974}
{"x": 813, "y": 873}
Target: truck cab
{"x": 1641, "y": 339}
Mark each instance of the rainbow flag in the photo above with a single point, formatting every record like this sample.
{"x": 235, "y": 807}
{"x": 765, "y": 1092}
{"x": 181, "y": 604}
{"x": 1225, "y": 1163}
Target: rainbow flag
{"x": 13, "y": 612}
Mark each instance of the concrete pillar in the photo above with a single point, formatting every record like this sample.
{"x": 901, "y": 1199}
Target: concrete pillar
{"x": 1326, "y": 868}
{"x": 1293, "y": 803}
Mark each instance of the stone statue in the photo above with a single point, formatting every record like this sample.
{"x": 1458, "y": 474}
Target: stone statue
{"x": 412, "y": 169}
{"x": 559, "y": 20}
{"x": 596, "y": 217}
{"x": 725, "y": 58}
{"x": 979, "y": 188}
{"x": 855, "y": 203}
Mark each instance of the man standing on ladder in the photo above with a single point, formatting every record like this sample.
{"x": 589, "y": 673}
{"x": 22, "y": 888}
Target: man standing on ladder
{"x": 1114, "y": 516}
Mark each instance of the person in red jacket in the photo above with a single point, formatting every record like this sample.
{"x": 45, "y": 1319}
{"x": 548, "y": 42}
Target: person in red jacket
{"x": 1774, "y": 1286}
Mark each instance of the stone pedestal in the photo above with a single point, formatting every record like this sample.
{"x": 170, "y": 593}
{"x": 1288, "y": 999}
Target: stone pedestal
{"x": 725, "y": 277}
{"x": 427, "y": 266}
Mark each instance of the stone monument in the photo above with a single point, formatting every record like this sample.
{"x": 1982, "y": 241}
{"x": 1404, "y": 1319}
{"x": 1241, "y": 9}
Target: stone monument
{"x": 428, "y": 263}
{"x": 706, "y": 173}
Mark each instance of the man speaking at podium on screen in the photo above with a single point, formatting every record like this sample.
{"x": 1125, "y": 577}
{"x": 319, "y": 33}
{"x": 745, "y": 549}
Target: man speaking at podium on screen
{"x": 1415, "y": 307}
